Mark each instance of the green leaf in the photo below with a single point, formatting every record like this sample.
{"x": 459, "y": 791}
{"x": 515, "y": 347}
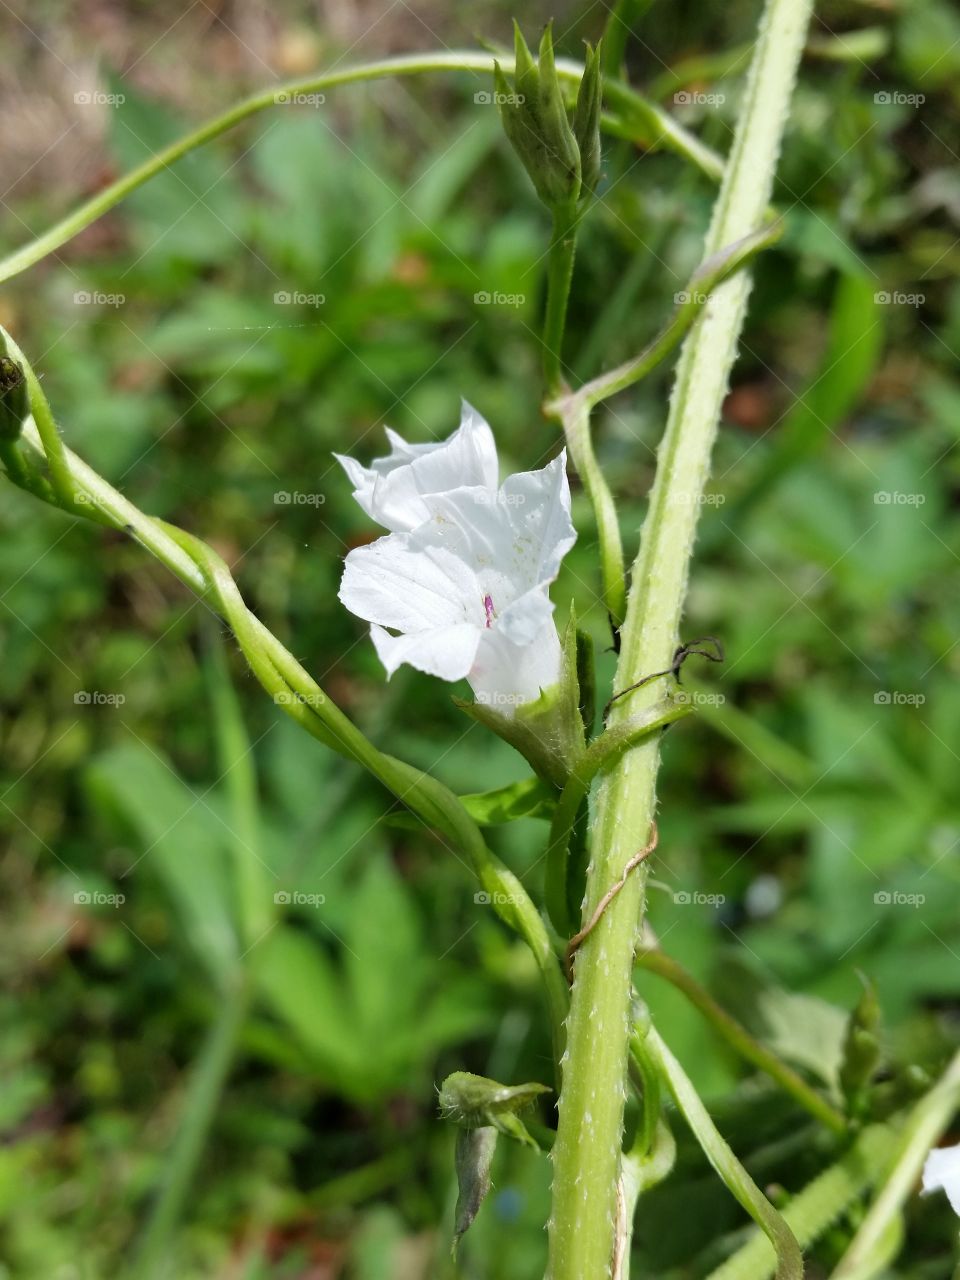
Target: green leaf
{"x": 384, "y": 959}
{"x": 179, "y": 840}
{"x": 294, "y": 976}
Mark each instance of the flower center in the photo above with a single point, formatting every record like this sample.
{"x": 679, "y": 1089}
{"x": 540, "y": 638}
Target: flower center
{"x": 488, "y": 610}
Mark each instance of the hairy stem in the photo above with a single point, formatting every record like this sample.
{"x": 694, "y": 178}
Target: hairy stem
{"x": 587, "y": 1151}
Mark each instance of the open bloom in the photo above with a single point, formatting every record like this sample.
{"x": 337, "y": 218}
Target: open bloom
{"x": 463, "y": 590}
{"x": 942, "y": 1172}
{"x": 392, "y": 489}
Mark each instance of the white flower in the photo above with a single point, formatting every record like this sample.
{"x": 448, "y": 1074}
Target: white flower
{"x": 391, "y": 490}
{"x": 466, "y": 587}
{"x": 942, "y": 1171}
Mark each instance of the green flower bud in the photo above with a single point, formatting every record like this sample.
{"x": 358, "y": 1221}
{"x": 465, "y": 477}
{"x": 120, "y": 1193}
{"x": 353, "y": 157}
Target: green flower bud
{"x": 482, "y": 1109}
{"x": 474, "y": 1102}
{"x": 535, "y": 120}
{"x": 14, "y": 404}
{"x": 861, "y": 1050}
{"x": 564, "y": 154}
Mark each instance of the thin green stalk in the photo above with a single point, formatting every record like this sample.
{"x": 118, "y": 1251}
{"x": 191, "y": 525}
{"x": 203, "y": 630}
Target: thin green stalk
{"x": 152, "y": 1259}
{"x": 718, "y": 1151}
{"x": 654, "y": 127}
{"x": 711, "y": 273}
{"x": 741, "y": 1040}
{"x": 575, "y": 420}
{"x": 587, "y": 1152}
{"x": 60, "y": 478}
{"x": 573, "y": 409}
{"x": 923, "y": 1129}
{"x": 563, "y": 248}
{"x": 821, "y": 1202}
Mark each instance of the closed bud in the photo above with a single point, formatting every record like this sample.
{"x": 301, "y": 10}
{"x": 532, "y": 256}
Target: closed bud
{"x": 472, "y": 1102}
{"x": 14, "y": 405}
{"x": 538, "y": 127}
{"x": 861, "y": 1050}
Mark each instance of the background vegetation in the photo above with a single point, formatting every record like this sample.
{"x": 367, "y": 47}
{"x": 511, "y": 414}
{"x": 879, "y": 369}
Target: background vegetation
{"x": 810, "y": 819}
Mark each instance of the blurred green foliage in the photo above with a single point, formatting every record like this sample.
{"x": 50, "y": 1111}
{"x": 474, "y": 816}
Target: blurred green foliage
{"x": 285, "y": 293}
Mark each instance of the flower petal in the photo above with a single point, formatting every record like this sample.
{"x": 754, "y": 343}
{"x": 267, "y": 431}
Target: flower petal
{"x": 541, "y": 500}
{"x": 523, "y": 620}
{"x": 391, "y": 489}
{"x": 446, "y": 652}
{"x": 504, "y": 676}
{"x": 408, "y": 589}
{"x": 942, "y": 1170}
{"x": 515, "y": 538}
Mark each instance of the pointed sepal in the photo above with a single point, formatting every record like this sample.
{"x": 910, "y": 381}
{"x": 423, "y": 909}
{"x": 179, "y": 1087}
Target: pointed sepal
{"x": 586, "y": 121}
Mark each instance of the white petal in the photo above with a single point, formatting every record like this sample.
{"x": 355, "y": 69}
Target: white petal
{"x": 482, "y": 448}
{"x": 942, "y": 1170}
{"x": 391, "y": 489}
{"x": 447, "y": 652}
{"x": 515, "y": 538}
{"x": 358, "y": 475}
{"x": 523, "y": 620}
{"x": 410, "y": 590}
{"x": 541, "y": 500}
{"x": 505, "y": 676}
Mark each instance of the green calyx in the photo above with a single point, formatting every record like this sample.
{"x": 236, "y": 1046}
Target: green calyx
{"x": 562, "y": 158}
{"x": 474, "y": 1102}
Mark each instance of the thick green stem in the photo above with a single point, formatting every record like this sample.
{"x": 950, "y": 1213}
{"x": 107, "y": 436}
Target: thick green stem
{"x": 652, "y": 126}
{"x": 602, "y": 753}
{"x": 587, "y": 1152}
